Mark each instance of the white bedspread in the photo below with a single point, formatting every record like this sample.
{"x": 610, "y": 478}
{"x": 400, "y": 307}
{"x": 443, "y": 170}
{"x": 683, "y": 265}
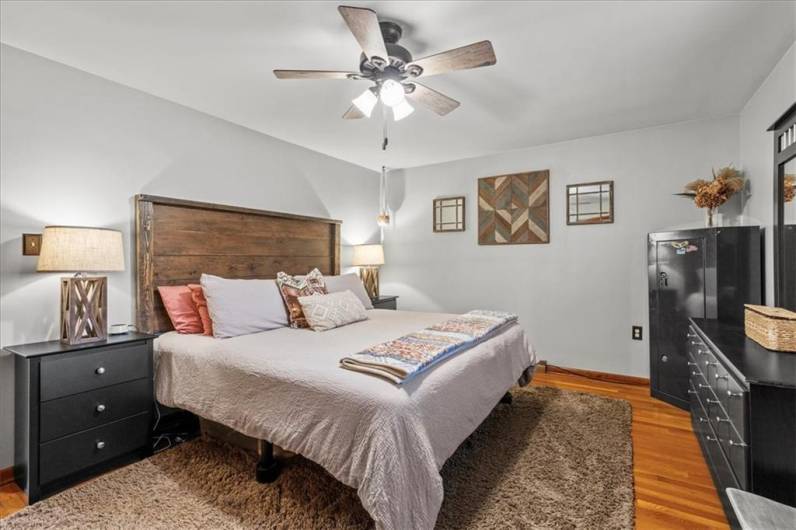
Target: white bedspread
{"x": 388, "y": 442}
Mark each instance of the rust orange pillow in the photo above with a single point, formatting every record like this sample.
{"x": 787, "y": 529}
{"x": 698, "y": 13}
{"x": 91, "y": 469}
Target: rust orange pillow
{"x": 181, "y": 309}
{"x": 200, "y": 302}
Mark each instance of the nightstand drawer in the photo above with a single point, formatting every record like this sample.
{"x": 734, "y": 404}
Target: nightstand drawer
{"x": 385, "y": 302}
{"x": 67, "y": 374}
{"x": 68, "y": 455}
{"x": 86, "y": 410}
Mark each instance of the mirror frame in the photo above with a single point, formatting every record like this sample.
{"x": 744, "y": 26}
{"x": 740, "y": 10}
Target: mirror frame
{"x": 610, "y": 220}
{"x": 783, "y": 153}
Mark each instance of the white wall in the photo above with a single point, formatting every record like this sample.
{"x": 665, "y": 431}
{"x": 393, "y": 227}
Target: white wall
{"x": 76, "y": 148}
{"x": 774, "y": 97}
{"x": 577, "y": 296}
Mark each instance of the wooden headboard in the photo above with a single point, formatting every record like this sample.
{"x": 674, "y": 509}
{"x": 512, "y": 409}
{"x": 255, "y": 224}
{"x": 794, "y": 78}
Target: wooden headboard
{"x": 177, "y": 240}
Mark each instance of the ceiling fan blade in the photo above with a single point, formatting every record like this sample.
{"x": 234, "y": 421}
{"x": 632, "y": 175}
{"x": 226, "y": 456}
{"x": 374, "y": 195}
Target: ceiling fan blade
{"x": 314, "y": 74}
{"x": 353, "y": 113}
{"x": 428, "y": 97}
{"x": 470, "y": 56}
{"x": 364, "y": 24}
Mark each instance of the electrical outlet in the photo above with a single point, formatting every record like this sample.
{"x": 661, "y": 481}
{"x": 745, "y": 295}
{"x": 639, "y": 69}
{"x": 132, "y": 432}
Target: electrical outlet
{"x": 637, "y": 332}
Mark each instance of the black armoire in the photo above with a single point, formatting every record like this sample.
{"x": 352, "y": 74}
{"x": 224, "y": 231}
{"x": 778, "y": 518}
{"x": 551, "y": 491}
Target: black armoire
{"x": 702, "y": 273}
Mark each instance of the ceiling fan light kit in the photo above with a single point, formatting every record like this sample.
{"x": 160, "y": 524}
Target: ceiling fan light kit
{"x": 393, "y": 70}
{"x": 366, "y": 101}
{"x": 402, "y": 110}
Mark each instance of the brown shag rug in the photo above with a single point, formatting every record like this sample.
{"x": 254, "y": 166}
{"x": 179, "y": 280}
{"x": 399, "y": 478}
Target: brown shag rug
{"x": 552, "y": 459}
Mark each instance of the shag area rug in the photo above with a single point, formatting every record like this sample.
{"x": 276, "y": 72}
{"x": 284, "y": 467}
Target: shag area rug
{"x": 551, "y": 459}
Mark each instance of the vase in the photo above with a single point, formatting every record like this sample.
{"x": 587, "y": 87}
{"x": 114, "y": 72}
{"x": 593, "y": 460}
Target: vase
{"x": 710, "y": 216}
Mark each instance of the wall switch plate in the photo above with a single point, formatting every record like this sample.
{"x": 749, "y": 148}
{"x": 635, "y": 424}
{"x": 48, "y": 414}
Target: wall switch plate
{"x": 637, "y": 333}
{"x": 31, "y": 244}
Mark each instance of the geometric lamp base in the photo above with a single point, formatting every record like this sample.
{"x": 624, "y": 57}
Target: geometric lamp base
{"x": 370, "y": 279}
{"x": 84, "y": 311}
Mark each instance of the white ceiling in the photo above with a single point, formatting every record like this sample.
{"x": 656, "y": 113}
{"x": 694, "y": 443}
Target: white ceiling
{"x": 565, "y": 69}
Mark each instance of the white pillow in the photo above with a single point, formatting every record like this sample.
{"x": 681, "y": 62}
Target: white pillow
{"x": 239, "y": 307}
{"x": 348, "y": 282}
{"x": 327, "y": 311}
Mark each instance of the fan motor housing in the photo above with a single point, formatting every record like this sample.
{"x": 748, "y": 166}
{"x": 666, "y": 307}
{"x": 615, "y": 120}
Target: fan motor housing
{"x": 391, "y": 33}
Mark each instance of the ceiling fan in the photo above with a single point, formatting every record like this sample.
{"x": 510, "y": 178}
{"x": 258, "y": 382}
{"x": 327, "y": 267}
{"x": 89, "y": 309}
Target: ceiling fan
{"x": 392, "y": 69}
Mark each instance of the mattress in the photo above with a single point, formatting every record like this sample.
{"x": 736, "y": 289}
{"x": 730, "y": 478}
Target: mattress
{"x": 387, "y": 442}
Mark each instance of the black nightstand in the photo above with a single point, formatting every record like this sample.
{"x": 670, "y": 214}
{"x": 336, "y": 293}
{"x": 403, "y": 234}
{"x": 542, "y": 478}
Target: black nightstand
{"x": 385, "y": 302}
{"x": 80, "y": 409}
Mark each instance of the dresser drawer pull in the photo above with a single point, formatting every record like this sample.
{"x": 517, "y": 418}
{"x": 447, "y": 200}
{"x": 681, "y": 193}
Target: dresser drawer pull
{"x": 712, "y": 438}
{"x": 708, "y": 363}
{"x": 100, "y": 370}
{"x": 692, "y": 364}
{"x": 719, "y": 420}
{"x": 702, "y": 420}
{"x": 692, "y": 391}
{"x": 100, "y": 408}
{"x": 737, "y": 444}
{"x": 700, "y": 385}
{"x": 713, "y": 401}
{"x": 732, "y": 394}
{"x": 100, "y": 445}
{"x": 717, "y": 377}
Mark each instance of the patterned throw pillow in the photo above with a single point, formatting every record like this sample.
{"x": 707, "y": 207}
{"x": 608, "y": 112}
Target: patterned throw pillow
{"x": 327, "y": 311}
{"x": 291, "y": 287}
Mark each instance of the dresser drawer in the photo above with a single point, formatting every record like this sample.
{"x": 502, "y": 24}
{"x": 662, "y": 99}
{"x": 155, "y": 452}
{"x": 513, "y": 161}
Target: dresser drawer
{"x": 722, "y": 472}
{"x": 86, "y": 410}
{"x": 735, "y": 400}
{"x": 64, "y": 456}
{"x": 67, "y": 374}
{"x": 737, "y": 453}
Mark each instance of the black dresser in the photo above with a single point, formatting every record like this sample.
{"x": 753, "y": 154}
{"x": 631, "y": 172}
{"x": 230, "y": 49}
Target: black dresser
{"x": 702, "y": 273}
{"x": 80, "y": 409}
{"x": 743, "y": 410}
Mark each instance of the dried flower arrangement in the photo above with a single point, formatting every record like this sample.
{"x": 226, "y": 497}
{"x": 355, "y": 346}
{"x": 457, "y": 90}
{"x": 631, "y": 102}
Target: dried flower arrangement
{"x": 711, "y": 194}
{"x": 789, "y": 188}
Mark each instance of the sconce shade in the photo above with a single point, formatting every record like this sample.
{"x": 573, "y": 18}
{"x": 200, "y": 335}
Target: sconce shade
{"x": 80, "y": 249}
{"x": 368, "y": 255}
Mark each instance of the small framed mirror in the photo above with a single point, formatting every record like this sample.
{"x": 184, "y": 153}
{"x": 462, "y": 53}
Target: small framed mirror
{"x": 590, "y": 203}
{"x": 449, "y": 214}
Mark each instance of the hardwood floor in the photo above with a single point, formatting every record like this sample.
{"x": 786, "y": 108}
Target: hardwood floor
{"x": 672, "y": 483}
{"x": 11, "y": 499}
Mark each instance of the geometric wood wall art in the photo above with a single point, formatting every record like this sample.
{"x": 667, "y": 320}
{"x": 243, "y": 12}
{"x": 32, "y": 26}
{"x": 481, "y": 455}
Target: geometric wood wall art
{"x": 514, "y": 209}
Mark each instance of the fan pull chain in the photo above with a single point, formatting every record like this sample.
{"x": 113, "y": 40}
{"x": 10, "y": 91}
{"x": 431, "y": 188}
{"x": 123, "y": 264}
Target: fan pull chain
{"x": 384, "y": 121}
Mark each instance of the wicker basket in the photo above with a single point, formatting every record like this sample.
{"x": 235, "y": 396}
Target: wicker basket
{"x": 773, "y": 328}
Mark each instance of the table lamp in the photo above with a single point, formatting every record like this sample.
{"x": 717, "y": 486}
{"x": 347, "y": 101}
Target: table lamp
{"x": 78, "y": 249}
{"x": 368, "y": 258}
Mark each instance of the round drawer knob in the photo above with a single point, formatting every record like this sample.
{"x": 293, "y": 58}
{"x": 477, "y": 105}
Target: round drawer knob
{"x": 100, "y": 408}
{"x": 100, "y": 445}
{"x": 664, "y": 358}
{"x": 100, "y": 370}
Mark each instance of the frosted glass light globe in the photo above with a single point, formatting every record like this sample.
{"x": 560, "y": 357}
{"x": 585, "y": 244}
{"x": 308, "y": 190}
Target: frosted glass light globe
{"x": 391, "y": 93}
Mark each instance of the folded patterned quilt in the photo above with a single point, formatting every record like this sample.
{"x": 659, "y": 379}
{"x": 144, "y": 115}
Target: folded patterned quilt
{"x": 401, "y": 359}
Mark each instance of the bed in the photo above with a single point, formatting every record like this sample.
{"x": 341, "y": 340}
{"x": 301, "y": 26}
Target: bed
{"x": 285, "y": 385}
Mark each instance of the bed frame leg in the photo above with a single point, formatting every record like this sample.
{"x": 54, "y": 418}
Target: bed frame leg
{"x": 268, "y": 467}
{"x": 506, "y": 399}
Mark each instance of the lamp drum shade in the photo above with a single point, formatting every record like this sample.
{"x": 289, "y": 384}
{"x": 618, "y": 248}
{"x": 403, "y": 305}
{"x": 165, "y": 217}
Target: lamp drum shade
{"x": 80, "y": 249}
{"x": 368, "y": 255}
